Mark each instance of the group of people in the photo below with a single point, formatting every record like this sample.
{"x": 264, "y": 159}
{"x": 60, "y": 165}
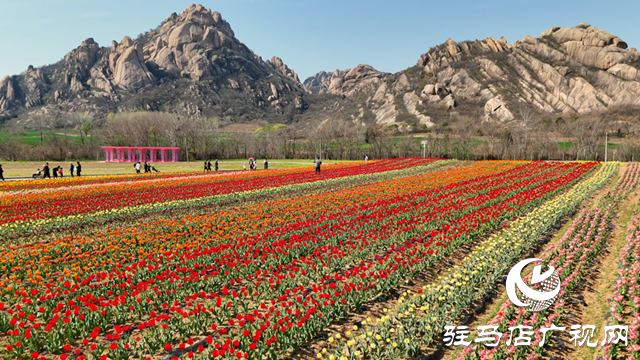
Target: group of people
{"x": 253, "y": 165}
{"x": 207, "y": 165}
{"x": 147, "y": 167}
{"x": 47, "y": 172}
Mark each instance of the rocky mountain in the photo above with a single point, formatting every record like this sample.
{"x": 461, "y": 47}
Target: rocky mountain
{"x": 191, "y": 63}
{"x": 565, "y": 71}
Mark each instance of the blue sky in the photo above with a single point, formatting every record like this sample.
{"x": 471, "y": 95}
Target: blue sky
{"x": 309, "y": 35}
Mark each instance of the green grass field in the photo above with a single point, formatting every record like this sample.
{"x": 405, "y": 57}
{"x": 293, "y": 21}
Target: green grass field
{"x": 27, "y": 168}
{"x": 33, "y": 137}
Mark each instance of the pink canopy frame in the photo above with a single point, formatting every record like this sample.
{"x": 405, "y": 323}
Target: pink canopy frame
{"x": 128, "y": 154}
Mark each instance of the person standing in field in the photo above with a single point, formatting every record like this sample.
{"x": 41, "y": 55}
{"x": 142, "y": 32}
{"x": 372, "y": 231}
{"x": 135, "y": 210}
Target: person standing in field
{"x": 366, "y": 158}
{"x": 1, "y": 173}
{"x": 266, "y": 164}
{"x": 54, "y": 171}
{"x": 60, "y": 169}
{"x": 244, "y": 166}
{"x": 137, "y": 166}
{"x": 71, "y": 169}
{"x": 318, "y": 163}
{"x": 46, "y": 172}
{"x": 215, "y": 164}
{"x": 78, "y": 168}
{"x": 205, "y": 165}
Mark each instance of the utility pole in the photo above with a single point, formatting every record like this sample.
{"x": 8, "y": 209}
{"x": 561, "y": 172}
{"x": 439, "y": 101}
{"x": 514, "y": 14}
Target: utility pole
{"x": 606, "y": 145}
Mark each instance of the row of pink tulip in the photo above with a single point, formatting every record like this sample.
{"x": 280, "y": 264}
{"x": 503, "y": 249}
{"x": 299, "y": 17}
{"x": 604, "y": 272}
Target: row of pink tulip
{"x": 626, "y": 294}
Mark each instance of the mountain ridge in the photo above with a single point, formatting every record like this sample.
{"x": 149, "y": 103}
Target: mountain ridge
{"x": 566, "y": 70}
{"x": 192, "y": 63}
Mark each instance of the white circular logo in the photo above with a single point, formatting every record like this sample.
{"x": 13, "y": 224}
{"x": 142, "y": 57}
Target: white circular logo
{"x": 533, "y": 300}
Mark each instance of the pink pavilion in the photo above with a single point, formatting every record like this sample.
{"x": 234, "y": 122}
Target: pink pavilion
{"x": 128, "y": 154}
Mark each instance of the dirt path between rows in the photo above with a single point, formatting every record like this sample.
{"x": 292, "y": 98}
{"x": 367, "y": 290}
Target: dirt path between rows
{"x": 492, "y": 308}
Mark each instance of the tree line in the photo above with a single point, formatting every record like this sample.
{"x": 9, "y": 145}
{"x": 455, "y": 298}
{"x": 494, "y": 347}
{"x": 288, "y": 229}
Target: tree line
{"x": 530, "y": 138}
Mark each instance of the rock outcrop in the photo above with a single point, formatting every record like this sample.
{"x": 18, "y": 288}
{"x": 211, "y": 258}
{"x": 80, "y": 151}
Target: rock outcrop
{"x": 5, "y": 101}
{"x": 79, "y": 62}
{"x": 361, "y": 78}
{"x": 36, "y": 84}
{"x": 496, "y": 109}
{"x": 126, "y": 63}
{"x": 280, "y": 66}
{"x": 319, "y": 83}
{"x": 591, "y": 46}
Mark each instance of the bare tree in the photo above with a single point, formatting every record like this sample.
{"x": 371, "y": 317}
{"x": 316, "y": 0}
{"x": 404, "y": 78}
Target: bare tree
{"x": 527, "y": 116}
{"x": 42, "y": 122}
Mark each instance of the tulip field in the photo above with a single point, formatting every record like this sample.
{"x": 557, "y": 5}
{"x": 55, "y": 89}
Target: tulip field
{"x": 289, "y": 263}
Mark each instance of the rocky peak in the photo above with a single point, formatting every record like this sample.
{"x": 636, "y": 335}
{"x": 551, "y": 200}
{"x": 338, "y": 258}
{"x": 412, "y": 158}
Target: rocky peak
{"x": 79, "y": 61}
{"x": 280, "y": 66}
{"x": 185, "y": 43}
{"x": 319, "y": 83}
{"x": 347, "y": 82}
{"x": 84, "y": 55}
